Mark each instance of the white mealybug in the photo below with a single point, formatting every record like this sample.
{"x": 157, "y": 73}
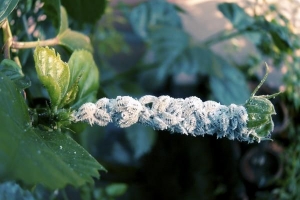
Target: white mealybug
{"x": 148, "y": 100}
{"x": 180, "y": 129}
{"x": 159, "y": 124}
{"x": 187, "y": 116}
{"x": 125, "y": 119}
{"x": 102, "y": 118}
{"x": 175, "y": 107}
{"x": 161, "y": 104}
{"x": 146, "y": 116}
{"x": 209, "y": 106}
{"x": 102, "y": 103}
{"x": 134, "y": 107}
{"x": 242, "y": 113}
{"x": 121, "y": 103}
{"x": 233, "y": 123}
{"x": 170, "y": 119}
{"x": 190, "y": 123}
{"x": 86, "y": 113}
{"x": 191, "y": 105}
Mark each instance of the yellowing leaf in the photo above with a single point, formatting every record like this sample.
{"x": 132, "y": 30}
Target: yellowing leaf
{"x": 53, "y": 73}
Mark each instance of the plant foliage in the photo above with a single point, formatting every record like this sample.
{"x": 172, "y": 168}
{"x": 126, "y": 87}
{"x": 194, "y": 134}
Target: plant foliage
{"x": 34, "y": 156}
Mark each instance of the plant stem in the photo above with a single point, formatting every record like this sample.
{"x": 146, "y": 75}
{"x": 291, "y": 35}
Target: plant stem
{"x": 189, "y": 116}
{"x": 27, "y": 45}
{"x": 222, "y": 36}
{"x": 7, "y": 38}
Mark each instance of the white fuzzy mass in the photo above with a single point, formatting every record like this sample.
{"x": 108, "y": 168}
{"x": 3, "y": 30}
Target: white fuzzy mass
{"x": 190, "y": 116}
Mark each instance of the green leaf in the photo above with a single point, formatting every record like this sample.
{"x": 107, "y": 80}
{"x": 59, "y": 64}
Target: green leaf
{"x": 53, "y": 73}
{"x": 280, "y": 34}
{"x": 194, "y": 59}
{"x": 82, "y": 65}
{"x": 167, "y": 49}
{"x": 72, "y": 40}
{"x": 259, "y": 104}
{"x": 14, "y": 72}
{"x": 260, "y": 110}
{"x": 85, "y": 11}
{"x": 228, "y": 84}
{"x": 7, "y": 6}
{"x": 236, "y": 15}
{"x": 33, "y": 156}
{"x": 71, "y": 94}
{"x": 141, "y": 139}
{"x": 11, "y": 190}
{"x": 152, "y": 14}
{"x": 64, "y": 23}
{"x": 257, "y": 119}
{"x": 11, "y": 69}
{"x": 52, "y": 10}
{"x": 116, "y": 189}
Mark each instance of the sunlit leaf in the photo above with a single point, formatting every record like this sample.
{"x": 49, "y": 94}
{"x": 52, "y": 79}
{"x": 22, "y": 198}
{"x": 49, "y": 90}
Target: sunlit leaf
{"x": 74, "y": 40}
{"x": 236, "y": 15}
{"x": 280, "y": 35}
{"x": 53, "y": 73}
{"x": 33, "y": 156}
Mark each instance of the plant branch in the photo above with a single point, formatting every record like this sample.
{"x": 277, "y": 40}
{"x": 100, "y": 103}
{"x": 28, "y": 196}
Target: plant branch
{"x": 222, "y": 36}
{"x": 189, "y": 116}
{"x": 27, "y": 45}
{"x": 7, "y": 38}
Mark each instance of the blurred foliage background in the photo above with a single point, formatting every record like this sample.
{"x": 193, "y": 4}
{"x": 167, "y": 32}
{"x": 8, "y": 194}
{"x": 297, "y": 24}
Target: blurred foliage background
{"x": 160, "y": 47}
